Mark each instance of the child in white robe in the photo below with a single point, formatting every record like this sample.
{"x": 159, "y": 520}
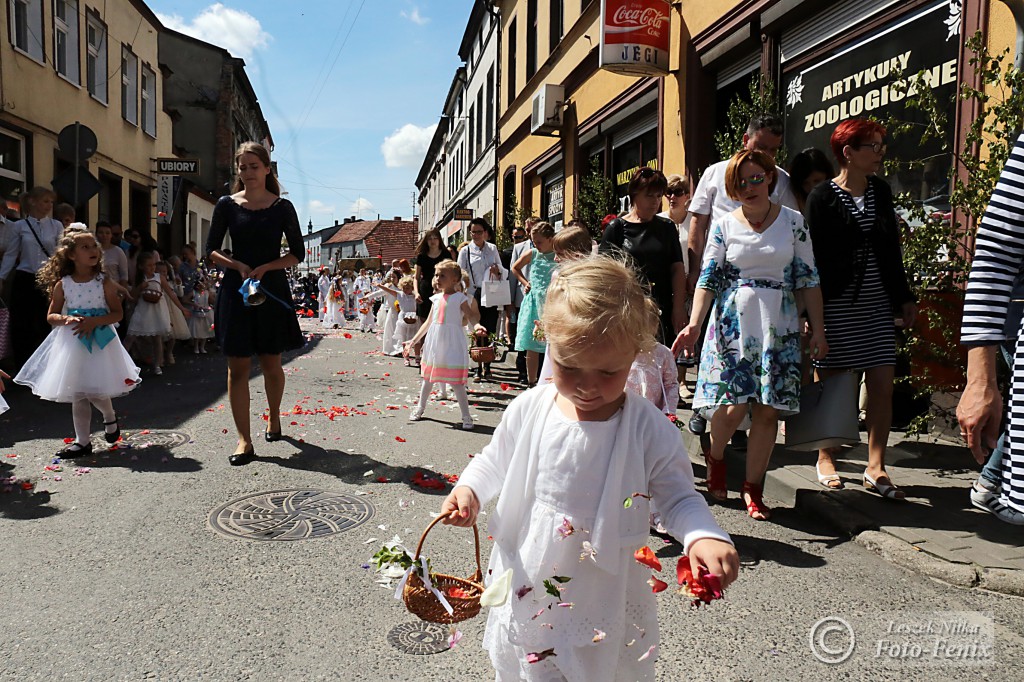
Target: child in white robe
{"x": 561, "y": 462}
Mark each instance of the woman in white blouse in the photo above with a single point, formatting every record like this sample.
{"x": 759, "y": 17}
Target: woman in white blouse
{"x": 29, "y": 244}
{"x": 481, "y": 261}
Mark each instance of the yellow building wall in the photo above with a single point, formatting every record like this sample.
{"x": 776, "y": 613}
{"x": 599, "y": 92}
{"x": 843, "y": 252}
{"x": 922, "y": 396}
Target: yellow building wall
{"x": 37, "y": 99}
{"x": 702, "y": 13}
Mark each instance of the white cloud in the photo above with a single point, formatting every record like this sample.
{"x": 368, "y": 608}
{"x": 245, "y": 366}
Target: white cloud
{"x": 407, "y": 146}
{"x": 360, "y": 206}
{"x": 415, "y": 17}
{"x": 239, "y": 32}
{"x": 317, "y": 206}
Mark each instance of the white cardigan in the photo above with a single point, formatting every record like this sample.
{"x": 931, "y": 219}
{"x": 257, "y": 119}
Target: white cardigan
{"x": 648, "y": 456}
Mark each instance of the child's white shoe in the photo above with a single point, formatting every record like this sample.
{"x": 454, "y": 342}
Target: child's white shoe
{"x": 468, "y": 425}
{"x": 415, "y": 416}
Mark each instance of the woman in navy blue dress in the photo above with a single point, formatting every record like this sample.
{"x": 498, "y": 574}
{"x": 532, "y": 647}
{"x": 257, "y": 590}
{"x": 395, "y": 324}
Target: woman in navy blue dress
{"x": 256, "y": 218}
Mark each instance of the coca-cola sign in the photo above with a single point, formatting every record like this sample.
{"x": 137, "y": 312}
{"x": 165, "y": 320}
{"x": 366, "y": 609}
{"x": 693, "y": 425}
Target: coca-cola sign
{"x": 635, "y": 36}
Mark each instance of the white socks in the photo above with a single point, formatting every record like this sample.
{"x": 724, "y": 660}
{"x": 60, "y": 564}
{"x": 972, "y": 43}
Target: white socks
{"x": 81, "y": 414}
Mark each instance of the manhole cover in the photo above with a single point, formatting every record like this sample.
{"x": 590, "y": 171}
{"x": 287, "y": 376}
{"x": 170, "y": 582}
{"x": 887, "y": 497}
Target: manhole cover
{"x": 144, "y": 439}
{"x": 419, "y": 639}
{"x": 302, "y": 514}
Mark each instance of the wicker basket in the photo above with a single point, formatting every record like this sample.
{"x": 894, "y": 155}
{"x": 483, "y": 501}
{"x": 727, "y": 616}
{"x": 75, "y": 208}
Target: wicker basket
{"x": 482, "y": 353}
{"x": 422, "y": 603}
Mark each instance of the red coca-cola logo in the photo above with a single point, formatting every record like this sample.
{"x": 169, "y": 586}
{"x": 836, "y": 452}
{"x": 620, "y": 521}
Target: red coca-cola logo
{"x": 642, "y": 17}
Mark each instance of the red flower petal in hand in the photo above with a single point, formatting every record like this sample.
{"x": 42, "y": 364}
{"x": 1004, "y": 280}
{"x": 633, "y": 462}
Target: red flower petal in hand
{"x": 704, "y": 588}
{"x": 645, "y": 556}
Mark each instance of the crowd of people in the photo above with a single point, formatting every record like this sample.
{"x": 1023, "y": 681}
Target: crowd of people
{"x": 756, "y": 277}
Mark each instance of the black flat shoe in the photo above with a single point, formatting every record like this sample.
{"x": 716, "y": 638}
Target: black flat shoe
{"x": 272, "y": 436}
{"x": 112, "y": 437}
{"x": 75, "y": 450}
{"x": 242, "y": 458}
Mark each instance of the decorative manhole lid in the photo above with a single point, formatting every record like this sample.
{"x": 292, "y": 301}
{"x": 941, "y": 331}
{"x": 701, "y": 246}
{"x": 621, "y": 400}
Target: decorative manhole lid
{"x": 419, "y": 639}
{"x": 147, "y": 438}
{"x": 302, "y": 514}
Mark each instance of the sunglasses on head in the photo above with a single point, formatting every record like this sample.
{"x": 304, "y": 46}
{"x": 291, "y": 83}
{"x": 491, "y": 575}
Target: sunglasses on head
{"x": 646, "y": 172}
{"x": 752, "y": 181}
{"x": 676, "y": 193}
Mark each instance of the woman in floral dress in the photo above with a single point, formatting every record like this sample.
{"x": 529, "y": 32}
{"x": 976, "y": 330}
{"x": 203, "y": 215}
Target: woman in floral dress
{"x": 757, "y": 262}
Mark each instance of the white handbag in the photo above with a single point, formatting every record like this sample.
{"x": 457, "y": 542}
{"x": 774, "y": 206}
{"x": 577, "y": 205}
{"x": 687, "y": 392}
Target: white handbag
{"x": 495, "y": 294}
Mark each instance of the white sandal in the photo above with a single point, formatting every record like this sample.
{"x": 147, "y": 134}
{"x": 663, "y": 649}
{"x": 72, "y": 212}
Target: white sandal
{"x": 886, "y": 490}
{"x": 825, "y": 479}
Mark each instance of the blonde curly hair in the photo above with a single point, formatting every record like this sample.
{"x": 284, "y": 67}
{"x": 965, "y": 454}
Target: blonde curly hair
{"x": 597, "y": 299}
{"x": 60, "y": 264}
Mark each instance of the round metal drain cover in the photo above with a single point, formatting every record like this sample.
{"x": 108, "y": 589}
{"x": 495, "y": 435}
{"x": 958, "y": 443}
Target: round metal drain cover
{"x": 302, "y": 514}
{"x": 419, "y": 639}
{"x": 145, "y": 439}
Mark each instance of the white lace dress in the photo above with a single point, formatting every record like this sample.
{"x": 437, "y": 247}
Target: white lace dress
{"x": 64, "y": 368}
{"x": 151, "y": 319}
{"x": 404, "y": 331}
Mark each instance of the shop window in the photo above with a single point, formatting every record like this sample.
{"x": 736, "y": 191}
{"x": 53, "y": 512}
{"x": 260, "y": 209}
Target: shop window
{"x": 148, "y": 92}
{"x": 531, "y": 38}
{"x": 96, "y": 58}
{"x": 508, "y": 197}
{"x": 27, "y": 27}
{"x": 12, "y": 167}
{"x": 557, "y": 24}
{"x": 629, "y": 157}
{"x": 510, "y": 66}
{"x": 129, "y": 86}
{"x": 140, "y": 202}
{"x": 65, "y": 39}
{"x": 110, "y": 199}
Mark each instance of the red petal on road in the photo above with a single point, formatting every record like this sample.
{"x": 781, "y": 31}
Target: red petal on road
{"x": 399, "y": 439}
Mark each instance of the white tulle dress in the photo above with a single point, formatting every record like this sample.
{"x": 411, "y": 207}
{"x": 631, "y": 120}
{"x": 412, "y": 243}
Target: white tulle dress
{"x": 404, "y": 331}
{"x": 151, "y": 319}
{"x": 202, "y": 316}
{"x": 179, "y": 325}
{"x": 65, "y": 368}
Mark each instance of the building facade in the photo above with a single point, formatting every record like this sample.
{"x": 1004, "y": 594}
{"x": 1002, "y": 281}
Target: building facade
{"x": 214, "y": 109}
{"x": 460, "y": 168}
{"x": 96, "y": 63}
{"x": 316, "y": 256}
{"x": 830, "y": 60}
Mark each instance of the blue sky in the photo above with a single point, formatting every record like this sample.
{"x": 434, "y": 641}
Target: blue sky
{"x": 358, "y": 148}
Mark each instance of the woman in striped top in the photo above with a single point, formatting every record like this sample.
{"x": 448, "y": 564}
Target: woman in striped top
{"x": 998, "y": 260}
{"x": 856, "y": 239}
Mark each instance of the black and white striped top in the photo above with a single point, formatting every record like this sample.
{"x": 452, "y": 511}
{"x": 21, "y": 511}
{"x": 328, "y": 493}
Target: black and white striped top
{"x": 859, "y": 322}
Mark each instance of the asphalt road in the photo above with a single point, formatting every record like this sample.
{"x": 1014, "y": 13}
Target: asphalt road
{"x": 114, "y": 572}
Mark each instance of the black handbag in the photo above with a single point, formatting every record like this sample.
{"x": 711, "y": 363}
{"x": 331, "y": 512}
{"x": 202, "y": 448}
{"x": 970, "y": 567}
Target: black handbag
{"x": 828, "y": 414}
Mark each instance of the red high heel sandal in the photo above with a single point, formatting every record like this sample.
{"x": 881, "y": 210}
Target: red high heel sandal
{"x": 716, "y": 477}
{"x": 755, "y": 504}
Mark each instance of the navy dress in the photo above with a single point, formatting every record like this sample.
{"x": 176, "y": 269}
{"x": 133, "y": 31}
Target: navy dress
{"x": 270, "y": 328}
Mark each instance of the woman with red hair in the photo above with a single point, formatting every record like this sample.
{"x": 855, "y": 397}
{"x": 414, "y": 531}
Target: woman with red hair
{"x": 856, "y": 240}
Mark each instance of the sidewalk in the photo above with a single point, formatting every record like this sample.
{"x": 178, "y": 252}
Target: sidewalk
{"x": 936, "y": 532}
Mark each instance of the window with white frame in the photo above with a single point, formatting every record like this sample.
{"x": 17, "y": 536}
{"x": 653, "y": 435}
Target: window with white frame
{"x": 12, "y": 165}
{"x": 27, "y": 27}
{"x": 148, "y": 92}
{"x": 65, "y": 39}
{"x": 96, "y": 58}
{"x": 129, "y": 86}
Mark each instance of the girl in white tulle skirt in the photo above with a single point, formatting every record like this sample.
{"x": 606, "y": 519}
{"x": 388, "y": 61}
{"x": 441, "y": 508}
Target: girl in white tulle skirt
{"x": 82, "y": 361}
{"x": 3, "y": 403}
{"x": 151, "y": 318}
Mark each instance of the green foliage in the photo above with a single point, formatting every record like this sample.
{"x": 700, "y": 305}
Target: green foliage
{"x": 936, "y": 250}
{"x": 513, "y": 216}
{"x": 595, "y": 198}
{"x": 763, "y": 98}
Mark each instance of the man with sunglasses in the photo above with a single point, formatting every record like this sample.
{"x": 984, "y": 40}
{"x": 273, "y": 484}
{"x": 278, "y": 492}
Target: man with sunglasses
{"x": 710, "y": 202}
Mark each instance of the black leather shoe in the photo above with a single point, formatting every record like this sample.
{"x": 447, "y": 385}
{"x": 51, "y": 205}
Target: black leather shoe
{"x": 75, "y": 450}
{"x": 242, "y": 458}
{"x": 272, "y": 436}
{"x": 112, "y": 437}
{"x": 697, "y": 424}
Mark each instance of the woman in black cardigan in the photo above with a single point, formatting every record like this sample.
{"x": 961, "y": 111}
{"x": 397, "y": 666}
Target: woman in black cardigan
{"x": 856, "y": 240}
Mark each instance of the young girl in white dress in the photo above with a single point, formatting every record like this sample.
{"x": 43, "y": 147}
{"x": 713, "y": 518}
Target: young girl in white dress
{"x": 389, "y": 313}
{"x": 407, "y": 323}
{"x": 199, "y": 325}
{"x": 3, "y": 403}
{"x": 445, "y": 354}
{"x": 82, "y": 361}
{"x": 561, "y": 462}
{"x": 176, "y": 313}
{"x": 150, "y": 319}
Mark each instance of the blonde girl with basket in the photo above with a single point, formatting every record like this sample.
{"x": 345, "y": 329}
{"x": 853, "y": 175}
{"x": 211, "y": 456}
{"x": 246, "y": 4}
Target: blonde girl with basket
{"x": 82, "y": 361}
{"x": 561, "y": 462}
{"x": 445, "y": 354}
{"x": 151, "y": 318}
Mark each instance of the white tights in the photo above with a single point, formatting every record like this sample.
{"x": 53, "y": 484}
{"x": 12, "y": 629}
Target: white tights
{"x": 460, "y": 394}
{"x": 81, "y": 413}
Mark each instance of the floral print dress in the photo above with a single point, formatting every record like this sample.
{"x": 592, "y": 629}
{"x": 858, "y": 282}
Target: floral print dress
{"x": 752, "y": 348}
